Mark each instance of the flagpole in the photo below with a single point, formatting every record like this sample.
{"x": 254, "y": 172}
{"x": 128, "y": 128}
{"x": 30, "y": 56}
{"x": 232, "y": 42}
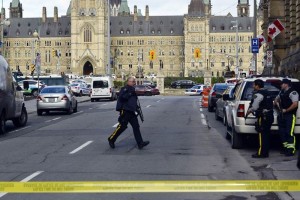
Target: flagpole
{"x": 255, "y": 36}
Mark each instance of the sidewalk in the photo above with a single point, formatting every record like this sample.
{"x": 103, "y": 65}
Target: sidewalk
{"x": 31, "y": 103}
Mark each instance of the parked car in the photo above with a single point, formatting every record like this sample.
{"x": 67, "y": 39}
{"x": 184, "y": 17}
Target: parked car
{"x": 12, "y": 105}
{"x": 56, "y": 98}
{"x": 183, "y": 84}
{"x": 218, "y": 88}
{"x": 80, "y": 89}
{"x": 30, "y": 87}
{"x": 146, "y": 90}
{"x": 102, "y": 88}
{"x": 221, "y": 104}
{"x": 237, "y": 125}
{"x": 148, "y": 83}
{"x": 195, "y": 90}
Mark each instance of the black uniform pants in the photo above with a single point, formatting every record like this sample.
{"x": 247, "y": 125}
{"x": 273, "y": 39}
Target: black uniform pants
{"x": 286, "y": 123}
{"x": 263, "y": 127}
{"x": 125, "y": 118}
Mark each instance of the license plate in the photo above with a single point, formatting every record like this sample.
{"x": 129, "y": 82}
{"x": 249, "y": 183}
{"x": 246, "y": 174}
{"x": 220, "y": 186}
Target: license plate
{"x": 51, "y": 100}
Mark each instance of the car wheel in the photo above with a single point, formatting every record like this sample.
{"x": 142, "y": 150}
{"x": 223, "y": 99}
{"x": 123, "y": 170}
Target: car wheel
{"x": 80, "y": 93}
{"x": 76, "y": 108}
{"x": 92, "y": 100}
{"x": 236, "y": 138}
{"x": 2, "y": 123}
{"x": 210, "y": 108}
{"x": 34, "y": 93}
{"x": 39, "y": 112}
{"x": 224, "y": 119}
{"x": 70, "y": 110}
{"x": 148, "y": 94}
{"x": 217, "y": 116}
{"x": 22, "y": 119}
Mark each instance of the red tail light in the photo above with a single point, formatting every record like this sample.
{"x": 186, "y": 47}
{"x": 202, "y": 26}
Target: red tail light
{"x": 65, "y": 97}
{"x": 241, "y": 110}
{"x": 213, "y": 94}
{"x": 110, "y": 90}
{"x": 39, "y": 98}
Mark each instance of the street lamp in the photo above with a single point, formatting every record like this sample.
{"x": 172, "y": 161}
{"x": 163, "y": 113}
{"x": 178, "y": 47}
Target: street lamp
{"x": 108, "y": 39}
{"x": 236, "y": 26}
{"x": 38, "y": 58}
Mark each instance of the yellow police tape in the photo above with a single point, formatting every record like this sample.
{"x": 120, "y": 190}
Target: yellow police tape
{"x": 151, "y": 186}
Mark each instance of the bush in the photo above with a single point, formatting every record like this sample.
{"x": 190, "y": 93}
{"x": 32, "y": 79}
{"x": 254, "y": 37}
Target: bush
{"x": 119, "y": 84}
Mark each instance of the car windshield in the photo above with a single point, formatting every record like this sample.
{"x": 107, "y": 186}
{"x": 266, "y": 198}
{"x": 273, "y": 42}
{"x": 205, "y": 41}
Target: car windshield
{"x": 74, "y": 84}
{"x": 53, "y": 90}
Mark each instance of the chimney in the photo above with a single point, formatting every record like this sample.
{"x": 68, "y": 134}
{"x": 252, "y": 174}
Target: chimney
{"x": 135, "y": 15}
{"x": 55, "y": 14}
{"x": 147, "y": 13}
{"x": 44, "y": 18}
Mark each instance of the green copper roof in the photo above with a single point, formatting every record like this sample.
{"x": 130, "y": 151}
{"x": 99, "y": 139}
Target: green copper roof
{"x": 15, "y": 3}
{"x": 124, "y": 8}
{"x": 69, "y": 10}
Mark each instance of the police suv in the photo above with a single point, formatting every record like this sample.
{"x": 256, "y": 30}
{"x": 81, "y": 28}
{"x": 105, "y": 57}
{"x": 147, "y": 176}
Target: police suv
{"x": 238, "y": 103}
{"x": 12, "y": 106}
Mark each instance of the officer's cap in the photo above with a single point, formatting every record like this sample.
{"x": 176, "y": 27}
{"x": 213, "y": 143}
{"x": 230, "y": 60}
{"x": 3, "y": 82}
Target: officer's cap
{"x": 286, "y": 81}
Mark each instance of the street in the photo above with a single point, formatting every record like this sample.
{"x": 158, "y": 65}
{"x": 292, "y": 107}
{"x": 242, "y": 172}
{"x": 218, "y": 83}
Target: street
{"x": 186, "y": 143}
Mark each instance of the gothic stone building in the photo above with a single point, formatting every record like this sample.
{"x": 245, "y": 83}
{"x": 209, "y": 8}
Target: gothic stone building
{"x": 81, "y": 39}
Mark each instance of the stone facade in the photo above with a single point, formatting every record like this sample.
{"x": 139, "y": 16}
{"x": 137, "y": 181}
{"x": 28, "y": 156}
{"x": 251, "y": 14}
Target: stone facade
{"x": 82, "y": 40}
{"x": 286, "y": 46}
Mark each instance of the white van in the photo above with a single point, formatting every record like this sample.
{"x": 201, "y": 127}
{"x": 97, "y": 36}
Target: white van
{"x": 12, "y": 106}
{"x": 102, "y": 88}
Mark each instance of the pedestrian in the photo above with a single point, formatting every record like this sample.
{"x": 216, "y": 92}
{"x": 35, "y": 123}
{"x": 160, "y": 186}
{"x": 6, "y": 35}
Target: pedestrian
{"x": 287, "y": 101}
{"x": 128, "y": 106}
{"x": 262, "y": 107}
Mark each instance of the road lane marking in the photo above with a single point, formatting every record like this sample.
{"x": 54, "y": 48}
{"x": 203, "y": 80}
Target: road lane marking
{"x": 114, "y": 126}
{"x": 21, "y": 129}
{"x": 91, "y": 108}
{"x": 104, "y": 104}
{"x": 204, "y": 122}
{"x": 53, "y": 119}
{"x": 81, "y": 147}
{"x": 201, "y": 110}
{"x": 202, "y": 116}
{"x": 148, "y": 106}
{"x": 158, "y": 101}
{"x": 25, "y": 180}
{"x": 78, "y": 112}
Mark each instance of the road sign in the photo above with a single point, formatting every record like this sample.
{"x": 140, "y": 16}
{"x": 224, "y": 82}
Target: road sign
{"x": 255, "y": 45}
{"x": 269, "y": 58}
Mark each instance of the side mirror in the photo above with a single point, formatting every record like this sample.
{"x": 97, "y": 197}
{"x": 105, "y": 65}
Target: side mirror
{"x": 219, "y": 96}
{"x": 226, "y": 97}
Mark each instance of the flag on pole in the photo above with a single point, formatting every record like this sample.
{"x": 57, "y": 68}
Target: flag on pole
{"x": 275, "y": 29}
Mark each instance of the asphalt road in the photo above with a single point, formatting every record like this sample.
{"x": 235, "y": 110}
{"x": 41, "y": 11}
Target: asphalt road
{"x": 186, "y": 143}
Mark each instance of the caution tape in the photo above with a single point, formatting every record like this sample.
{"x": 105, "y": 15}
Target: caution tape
{"x": 151, "y": 186}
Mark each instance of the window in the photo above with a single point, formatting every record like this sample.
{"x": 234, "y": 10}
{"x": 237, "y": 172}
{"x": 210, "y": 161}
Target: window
{"x": 87, "y": 34}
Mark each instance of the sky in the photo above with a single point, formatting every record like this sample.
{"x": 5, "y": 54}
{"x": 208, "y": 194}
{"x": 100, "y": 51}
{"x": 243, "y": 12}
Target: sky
{"x": 33, "y": 8}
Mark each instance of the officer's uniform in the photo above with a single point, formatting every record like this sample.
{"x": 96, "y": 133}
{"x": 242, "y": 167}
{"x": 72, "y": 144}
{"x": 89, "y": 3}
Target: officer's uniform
{"x": 127, "y": 106}
{"x": 262, "y": 106}
{"x": 286, "y": 121}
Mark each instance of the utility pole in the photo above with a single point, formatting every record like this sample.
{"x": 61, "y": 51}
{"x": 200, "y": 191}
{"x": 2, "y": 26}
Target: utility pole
{"x": 255, "y": 36}
{"x": 236, "y": 46}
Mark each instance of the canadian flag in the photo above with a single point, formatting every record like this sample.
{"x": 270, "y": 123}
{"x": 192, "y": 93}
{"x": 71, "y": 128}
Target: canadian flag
{"x": 262, "y": 39}
{"x": 275, "y": 28}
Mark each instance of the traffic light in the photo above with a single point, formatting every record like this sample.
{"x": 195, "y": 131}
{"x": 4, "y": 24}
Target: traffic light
{"x": 54, "y": 53}
{"x": 32, "y": 68}
{"x": 197, "y": 53}
{"x": 152, "y": 55}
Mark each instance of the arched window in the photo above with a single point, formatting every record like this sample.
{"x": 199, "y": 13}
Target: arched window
{"x": 87, "y": 34}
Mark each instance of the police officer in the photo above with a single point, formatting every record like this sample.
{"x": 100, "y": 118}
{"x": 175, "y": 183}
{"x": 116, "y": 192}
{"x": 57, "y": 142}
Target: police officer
{"x": 262, "y": 107}
{"x": 287, "y": 101}
{"x": 127, "y": 105}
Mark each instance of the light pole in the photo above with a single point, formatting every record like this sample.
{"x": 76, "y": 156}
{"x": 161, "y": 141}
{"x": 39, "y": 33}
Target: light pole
{"x": 255, "y": 35}
{"x": 38, "y": 58}
{"x": 236, "y": 26}
{"x": 108, "y": 39}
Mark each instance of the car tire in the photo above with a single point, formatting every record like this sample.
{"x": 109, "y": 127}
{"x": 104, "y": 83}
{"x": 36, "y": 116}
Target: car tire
{"x": 34, "y": 93}
{"x": 76, "y": 108}
{"x": 22, "y": 119}
{"x": 92, "y": 100}
{"x": 2, "y": 123}
{"x": 39, "y": 112}
{"x": 80, "y": 93}
{"x": 236, "y": 138}
{"x": 217, "y": 116}
{"x": 148, "y": 94}
{"x": 210, "y": 108}
{"x": 224, "y": 119}
{"x": 70, "y": 110}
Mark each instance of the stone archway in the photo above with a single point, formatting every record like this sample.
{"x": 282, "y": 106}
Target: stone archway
{"x": 88, "y": 68}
